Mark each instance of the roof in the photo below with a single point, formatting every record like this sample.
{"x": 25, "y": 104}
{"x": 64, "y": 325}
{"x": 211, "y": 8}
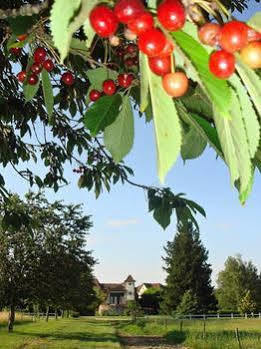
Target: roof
{"x": 149, "y": 285}
{"x": 129, "y": 279}
{"x": 113, "y": 287}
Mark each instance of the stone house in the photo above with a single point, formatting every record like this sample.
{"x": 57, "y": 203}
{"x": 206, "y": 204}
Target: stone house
{"x": 145, "y": 286}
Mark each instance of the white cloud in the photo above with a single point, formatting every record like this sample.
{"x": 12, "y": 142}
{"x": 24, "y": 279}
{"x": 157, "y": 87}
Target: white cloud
{"x": 116, "y": 223}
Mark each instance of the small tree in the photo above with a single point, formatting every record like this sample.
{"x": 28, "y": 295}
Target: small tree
{"x": 151, "y": 299}
{"x": 133, "y": 309}
{"x": 189, "y": 304}
{"x": 247, "y": 303}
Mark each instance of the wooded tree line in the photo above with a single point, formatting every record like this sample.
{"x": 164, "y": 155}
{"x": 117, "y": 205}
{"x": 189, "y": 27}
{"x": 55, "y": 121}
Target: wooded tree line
{"x": 188, "y": 287}
{"x": 44, "y": 263}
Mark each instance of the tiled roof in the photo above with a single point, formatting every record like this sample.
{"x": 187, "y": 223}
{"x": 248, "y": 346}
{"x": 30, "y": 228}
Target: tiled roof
{"x": 129, "y": 279}
{"x": 113, "y": 287}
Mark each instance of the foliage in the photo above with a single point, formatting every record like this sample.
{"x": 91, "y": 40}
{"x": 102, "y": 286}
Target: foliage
{"x": 187, "y": 270}
{"x": 247, "y": 304}
{"x": 150, "y": 300}
{"x": 133, "y": 309}
{"x": 188, "y": 304}
{"x": 234, "y": 281}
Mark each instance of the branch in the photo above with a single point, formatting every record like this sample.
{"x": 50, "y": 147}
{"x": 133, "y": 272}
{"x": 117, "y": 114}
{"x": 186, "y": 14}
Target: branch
{"x": 26, "y": 10}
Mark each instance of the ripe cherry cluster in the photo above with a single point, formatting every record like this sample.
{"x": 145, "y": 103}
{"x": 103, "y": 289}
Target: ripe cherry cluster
{"x": 109, "y": 87}
{"x": 129, "y": 54}
{"x": 41, "y": 62}
{"x": 151, "y": 40}
{"x": 231, "y": 37}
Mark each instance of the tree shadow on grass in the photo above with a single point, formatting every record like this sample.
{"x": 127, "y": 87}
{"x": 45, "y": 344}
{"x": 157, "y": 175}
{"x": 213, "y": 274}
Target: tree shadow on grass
{"x": 176, "y": 337}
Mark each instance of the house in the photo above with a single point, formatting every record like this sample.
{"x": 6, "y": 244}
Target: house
{"x": 145, "y": 286}
{"x": 117, "y": 295}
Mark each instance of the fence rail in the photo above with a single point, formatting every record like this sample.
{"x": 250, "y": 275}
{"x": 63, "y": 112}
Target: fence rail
{"x": 216, "y": 316}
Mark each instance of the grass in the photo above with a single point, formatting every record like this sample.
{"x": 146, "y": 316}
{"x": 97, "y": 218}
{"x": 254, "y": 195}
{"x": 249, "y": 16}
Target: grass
{"x": 220, "y": 334}
{"x": 62, "y": 334}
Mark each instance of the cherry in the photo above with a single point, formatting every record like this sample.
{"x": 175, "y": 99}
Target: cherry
{"x": 48, "y": 65}
{"x": 114, "y": 40}
{"x": 109, "y": 87}
{"x": 125, "y": 80}
{"x": 129, "y": 34}
{"x": 68, "y": 78}
{"x": 40, "y": 55}
{"x": 251, "y": 54}
{"x": 94, "y": 95}
{"x": 253, "y": 35}
{"x": 129, "y": 62}
{"x": 233, "y": 36}
{"x": 209, "y": 34}
{"x": 171, "y": 14}
{"x": 175, "y": 84}
{"x": 141, "y": 23}
{"x": 16, "y": 51}
{"x": 36, "y": 68}
{"x": 22, "y": 37}
{"x": 33, "y": 79}
{"x": 131, "y": 49}
{"x": 127, "y": 10}
{"x": 222, "y": 64}
{"x": 160, "y": 65}
{"x": 103, "y": 21}
{"x": 168, "y": 49}
{"x": 152, "y": 42}
{"x": 120, "y": 52}
{"x": 21, "y": 76}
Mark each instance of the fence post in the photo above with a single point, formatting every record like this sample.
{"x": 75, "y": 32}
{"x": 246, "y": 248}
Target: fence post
{"x": 190, "y": 317}
{"x": 181, "y": 326}
{"x": 245, "y": 315}
{"x": 204, "y": 327}
{"x": 218, "y": 316}
{"x": 238, "y": 339}
{"x": 259, "y": 315}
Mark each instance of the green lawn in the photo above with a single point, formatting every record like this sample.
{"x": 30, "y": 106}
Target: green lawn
{"x": 62, "y": 334}
{"x": 220, "y": 334}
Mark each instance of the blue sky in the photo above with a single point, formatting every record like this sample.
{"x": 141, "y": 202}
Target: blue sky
{"x": 125, "y": 238}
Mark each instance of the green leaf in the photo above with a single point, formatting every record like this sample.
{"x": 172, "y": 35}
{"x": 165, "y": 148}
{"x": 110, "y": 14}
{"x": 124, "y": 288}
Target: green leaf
{"x": 97, "y": 76}
{"x": 48, "y": 92}
{"x": 21, "y": 24}
{"x": 62, "y": 14}
{"x": 252, "y": 83}
{"x": 248, "y": 114}
{"x": 255, "y": 21}
{"x": 166, "y": 124}
{"x": 162, "y": 214}
{"x": 78, "y": 45}
{"x": 198, "y": 103}
{"x": 30, "y": 91}
{"x": 144, "y": 82}
{"x": 102, "y": 113}
{"x": 217, "y": 90}
{"x": 118, "y": 137}
{"x": 233, "y": 138}
{"x": 193, "y": 144}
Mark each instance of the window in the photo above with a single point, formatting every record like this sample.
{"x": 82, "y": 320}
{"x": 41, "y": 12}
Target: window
{"x": 130, "y": 284}
{"x": 130, "y": 293}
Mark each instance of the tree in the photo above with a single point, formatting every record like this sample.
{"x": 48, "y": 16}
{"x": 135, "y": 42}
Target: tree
{"x": 188, "y": 304}
{"x": 150, "y": 300}
{"x": 247, "y": 304}
{"x": 234, "y": 281}
{"x": 69, "y": 128}
{"x": 133, "y": 309}
{"x": 187, "y": 270}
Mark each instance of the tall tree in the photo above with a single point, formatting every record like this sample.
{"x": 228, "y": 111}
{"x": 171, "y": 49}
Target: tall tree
{"x": 187, "y": 270}
{"x": 234, "y": 281}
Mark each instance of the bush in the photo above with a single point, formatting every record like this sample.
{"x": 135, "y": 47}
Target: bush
{"x": 75, "y": 314}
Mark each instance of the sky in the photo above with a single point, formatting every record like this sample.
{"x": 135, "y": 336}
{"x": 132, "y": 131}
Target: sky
{"x": 125, "y": 239}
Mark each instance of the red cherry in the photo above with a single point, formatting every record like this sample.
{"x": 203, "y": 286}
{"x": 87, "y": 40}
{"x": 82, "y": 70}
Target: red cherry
{"x": 94, "y": 95}
{"x": 175, "y": 84}
{"x": 21, "y": 76}
{"x": 167, "y": 50}
{"x": 131, "y": 48}
{"x": 16, "y": 51}
{"x": 252, "y": 34}
{"x": 251, "y": 54}
{"x": 36, "y": 68}
{"x": 109, "y": 87}
{"x": 127, "y": 10}
{"x": 233, "y": 36}
{"x": 141, "y": 23}
{"x": 125, "y": 80}
{"x": 103, "y": 21}
{"x": 222, "y": 64}
{"x": 160, "y": 65}
{"x": 40, "y": 55}
{"x": 68, "y": 78}
{"x": 209, "y": 34}
{"x": 171, "y": 14}
{"x": 33, "y": 79}
{"x": 48, "y": 65}
{"x": 152, "y": 42}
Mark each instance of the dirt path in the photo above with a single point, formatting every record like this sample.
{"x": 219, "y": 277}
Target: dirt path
{"x": 147, "y": 343}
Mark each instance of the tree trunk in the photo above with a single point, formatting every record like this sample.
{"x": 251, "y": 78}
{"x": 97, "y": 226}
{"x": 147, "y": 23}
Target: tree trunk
{"x": 11, "y": 318}
{"x": 62, "y": 314}
{"x": 56, "y": 314}
{"x": 67, "y": 313}
{"x": 47, "y": 313}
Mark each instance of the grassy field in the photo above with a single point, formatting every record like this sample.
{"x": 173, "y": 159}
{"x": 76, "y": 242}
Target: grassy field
{"x": 219, "y": 334}
{"x": 62, "y": 334}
